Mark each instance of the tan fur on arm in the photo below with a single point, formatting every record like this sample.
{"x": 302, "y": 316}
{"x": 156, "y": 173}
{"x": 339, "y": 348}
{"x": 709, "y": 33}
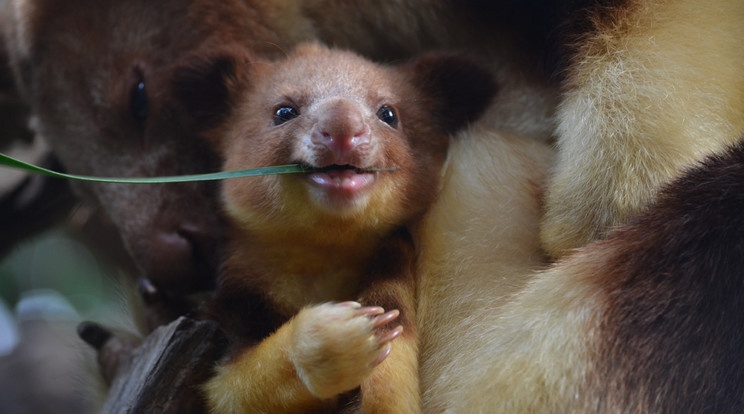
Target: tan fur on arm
{"x": 261, "y": 379}
{"x": 393, "y": 386}
{"x": 326, "y": 350}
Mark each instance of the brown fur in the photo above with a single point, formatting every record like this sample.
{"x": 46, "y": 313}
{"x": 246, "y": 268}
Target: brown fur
{"x": 672, "y": 286}
{"x": 296, "y": 245}
{"x": 88, "y": 117}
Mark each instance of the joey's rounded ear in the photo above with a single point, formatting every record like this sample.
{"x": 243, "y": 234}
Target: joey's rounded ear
{"x": 460, "y": 88}
{"x": 206, "y": 83}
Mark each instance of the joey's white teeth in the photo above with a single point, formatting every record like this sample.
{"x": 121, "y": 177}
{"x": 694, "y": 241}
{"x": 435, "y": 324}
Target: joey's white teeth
{"x": 341, "y": 181}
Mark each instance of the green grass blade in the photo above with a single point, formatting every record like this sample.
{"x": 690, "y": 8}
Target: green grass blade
{"x": 249, "y": 172}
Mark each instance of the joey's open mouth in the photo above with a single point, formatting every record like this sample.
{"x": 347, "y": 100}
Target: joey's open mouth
{"x": 345, "y": 181}
{"x": 345, "y": 167}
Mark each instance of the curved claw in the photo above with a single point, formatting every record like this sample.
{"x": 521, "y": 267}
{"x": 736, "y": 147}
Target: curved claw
{"x": 351, "y": 304}
{"x": 369, "y": 311}
{"x": 385, "y": 337}
{"x": 384, "y": 352}
{"x": 390, "y": 335}
{"x": 385, "y": 318}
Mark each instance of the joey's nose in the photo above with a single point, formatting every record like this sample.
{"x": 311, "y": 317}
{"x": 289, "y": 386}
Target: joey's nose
{"x": 341, "y": 128}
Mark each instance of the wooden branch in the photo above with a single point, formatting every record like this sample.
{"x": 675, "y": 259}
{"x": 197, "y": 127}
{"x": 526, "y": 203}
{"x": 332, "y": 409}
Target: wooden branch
{"x": 164, "y": 374}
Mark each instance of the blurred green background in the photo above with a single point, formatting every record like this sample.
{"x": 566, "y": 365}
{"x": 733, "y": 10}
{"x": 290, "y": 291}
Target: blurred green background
{"x": 54, "y": 265}
{"x": 48, "y": 285}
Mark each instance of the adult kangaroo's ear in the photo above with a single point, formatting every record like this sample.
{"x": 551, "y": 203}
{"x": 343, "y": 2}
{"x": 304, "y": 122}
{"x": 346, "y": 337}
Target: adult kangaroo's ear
{"x": 460, "y": 88}
{"x": 206, "y": 83}
{"x": 14, "y": 112}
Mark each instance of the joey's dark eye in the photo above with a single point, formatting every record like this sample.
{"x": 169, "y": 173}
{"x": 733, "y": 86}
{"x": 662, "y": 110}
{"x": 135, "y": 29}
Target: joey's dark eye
{"x": 388, "y": 116}
{"x": 284, "y": 114}
{"x": 138, "y": 103}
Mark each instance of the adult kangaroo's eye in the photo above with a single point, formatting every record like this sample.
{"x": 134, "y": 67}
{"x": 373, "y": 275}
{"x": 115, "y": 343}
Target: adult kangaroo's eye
{"x": 387, "y": 115}
{"x": 284, "y": 114}
{"x": 138, "y": 103}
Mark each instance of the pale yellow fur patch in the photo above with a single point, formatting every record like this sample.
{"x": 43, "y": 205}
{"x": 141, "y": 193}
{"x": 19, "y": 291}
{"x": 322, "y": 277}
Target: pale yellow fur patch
{"x": 531, "y": 355}
{"x": 498, "y": 335}
{"x": 479, "y": 244}
{"x": 649, "y": 95}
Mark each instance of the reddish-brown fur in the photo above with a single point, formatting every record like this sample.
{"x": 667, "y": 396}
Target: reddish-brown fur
{"x": 92, "y": 121}
{"x": 296, "y": 244}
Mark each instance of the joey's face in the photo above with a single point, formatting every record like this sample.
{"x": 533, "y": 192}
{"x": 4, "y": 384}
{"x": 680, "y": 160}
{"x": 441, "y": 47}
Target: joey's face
{"x": 334, "y": 113}
{"x": 342, "y": 139}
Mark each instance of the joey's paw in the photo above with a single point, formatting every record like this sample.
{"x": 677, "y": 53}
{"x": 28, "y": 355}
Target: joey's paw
{"x": 336, "y": 345}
